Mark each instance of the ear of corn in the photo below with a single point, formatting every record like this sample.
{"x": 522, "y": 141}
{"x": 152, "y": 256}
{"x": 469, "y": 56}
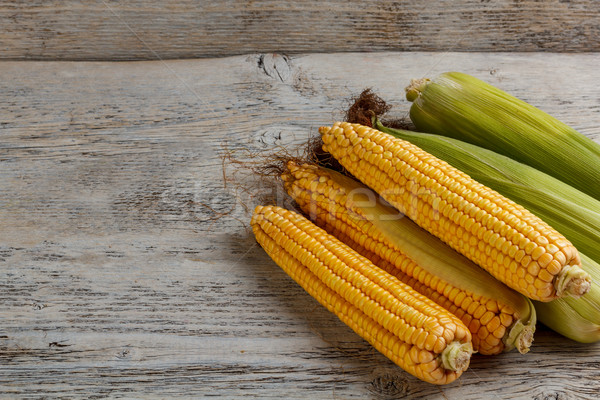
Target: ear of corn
{"x": 502, "y": 237}
{"x": 568, "y": 210}
{"x": 352, "y": 213}
{"x": 410, "y": 329}
{"x": 466, "y": 108}
{"x": 571, "y": 212}
{"x": 577, "y": 319}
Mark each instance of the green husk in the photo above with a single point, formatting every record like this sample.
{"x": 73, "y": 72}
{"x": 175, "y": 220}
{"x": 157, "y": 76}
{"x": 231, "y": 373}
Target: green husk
{"x": 463, "y": 107}
{"x": 571, "y": 212}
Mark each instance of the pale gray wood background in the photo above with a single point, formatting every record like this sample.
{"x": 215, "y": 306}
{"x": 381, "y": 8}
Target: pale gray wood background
{"x": 127, "y": 269}
{"x": 142, "y": 29}
{"x": 126, "y": 266}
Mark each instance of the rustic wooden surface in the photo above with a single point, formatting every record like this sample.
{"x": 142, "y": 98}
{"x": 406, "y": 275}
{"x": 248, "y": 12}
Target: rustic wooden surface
{"x": 126, "y": 266}
{"x": 175, "y": 29}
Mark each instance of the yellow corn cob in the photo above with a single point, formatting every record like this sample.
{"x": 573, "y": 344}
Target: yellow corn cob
{"x": 332, "y": 202}
{"x": 411, "y": 330}
{"x": 502, "y": 237}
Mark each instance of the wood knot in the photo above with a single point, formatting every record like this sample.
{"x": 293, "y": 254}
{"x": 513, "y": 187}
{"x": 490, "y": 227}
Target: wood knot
{"x": 387, "y": 383}
{"x": 551, "y": 396}
{"x": 276, "y": 66}
{"x": 125, "y": 353}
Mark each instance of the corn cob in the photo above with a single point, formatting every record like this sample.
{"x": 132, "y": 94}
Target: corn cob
{"x": 418, "y": 335}
{"x": 346, "y": 209}
{"x": 466, "y": 108}
{"x": 571, "y": 212}
{"x": 502, "y": 237}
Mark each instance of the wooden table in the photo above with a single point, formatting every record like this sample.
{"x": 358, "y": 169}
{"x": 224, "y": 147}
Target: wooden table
{"x": 127, "y": 266}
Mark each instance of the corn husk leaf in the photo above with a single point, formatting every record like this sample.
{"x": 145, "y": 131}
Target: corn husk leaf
{"x": 463, "y": 107}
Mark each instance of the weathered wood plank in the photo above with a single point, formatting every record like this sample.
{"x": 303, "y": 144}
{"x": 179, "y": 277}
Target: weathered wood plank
{"x": 126, "y": 268}
{"x": 142, "y": 30}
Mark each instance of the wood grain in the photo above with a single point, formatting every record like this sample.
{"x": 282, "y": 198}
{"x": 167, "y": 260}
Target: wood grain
{"x": 126, "y": 265}
{"x": 142, "y": 30}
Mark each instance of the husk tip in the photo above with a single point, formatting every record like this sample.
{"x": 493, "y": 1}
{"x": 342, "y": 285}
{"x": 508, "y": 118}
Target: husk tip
{"x": 416, "y": 87}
